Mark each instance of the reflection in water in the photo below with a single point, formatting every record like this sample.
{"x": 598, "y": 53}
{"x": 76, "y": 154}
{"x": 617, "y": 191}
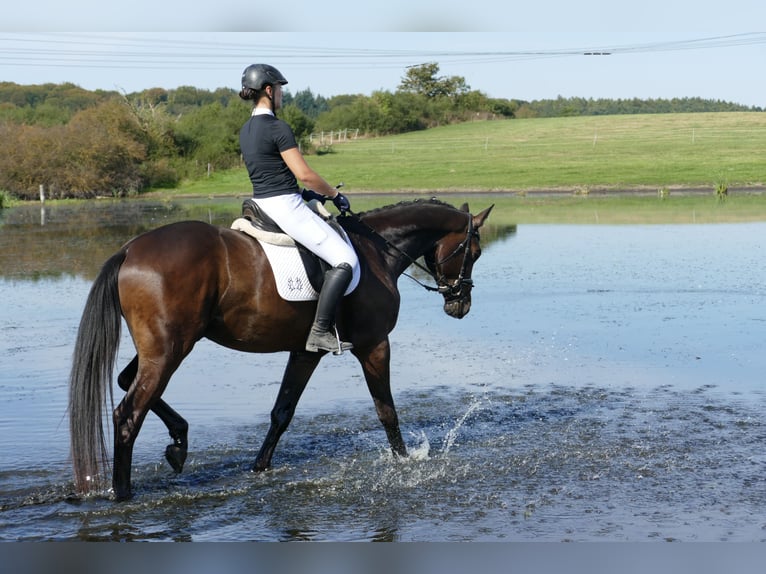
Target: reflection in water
{"x": 76, "y": 239}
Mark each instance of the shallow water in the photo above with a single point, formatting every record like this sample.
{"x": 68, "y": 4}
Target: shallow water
{"x": 606, "y": 386}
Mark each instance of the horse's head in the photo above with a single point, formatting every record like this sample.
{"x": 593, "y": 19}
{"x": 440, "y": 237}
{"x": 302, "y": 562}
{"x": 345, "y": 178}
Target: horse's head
{"x": 451, "y": 261}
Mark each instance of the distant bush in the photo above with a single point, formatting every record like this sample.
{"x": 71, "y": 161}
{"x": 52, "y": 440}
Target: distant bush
{"x": 99, "y": 152}
{"x": 5, "y": 199}
{"x": 160, "y": 174}
{"x": 722, "y": 190}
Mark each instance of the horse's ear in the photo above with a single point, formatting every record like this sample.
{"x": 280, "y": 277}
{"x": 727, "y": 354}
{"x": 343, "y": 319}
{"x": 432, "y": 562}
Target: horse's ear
{"x": 478, "y": 220}
{"x": 464, "y": 207}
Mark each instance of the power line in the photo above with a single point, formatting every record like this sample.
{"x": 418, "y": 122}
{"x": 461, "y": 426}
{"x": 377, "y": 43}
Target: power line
{"x": 125, "y": 51}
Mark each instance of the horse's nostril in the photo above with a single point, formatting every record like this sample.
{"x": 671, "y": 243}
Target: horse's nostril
{"x": 457, "y": 308}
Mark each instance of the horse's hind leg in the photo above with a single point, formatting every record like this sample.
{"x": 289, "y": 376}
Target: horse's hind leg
{"x": 128, "y": 418}
{"x": 376, "y": 365}
{"x": 151, "y": 379}
{"x": 176, "y": 452}
{"x": 299, "y": 368}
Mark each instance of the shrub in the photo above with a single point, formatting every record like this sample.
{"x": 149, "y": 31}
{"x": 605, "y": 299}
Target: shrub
{"x": 160, "y": 173}
{"x": 722, "y": 190}
{"x": 5, "y": 199}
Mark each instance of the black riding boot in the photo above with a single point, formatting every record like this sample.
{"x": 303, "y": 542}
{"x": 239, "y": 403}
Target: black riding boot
{"x": 322, "y": 336}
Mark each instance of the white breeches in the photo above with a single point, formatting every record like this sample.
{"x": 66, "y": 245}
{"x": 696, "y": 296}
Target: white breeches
{"x": 296, "y": 219}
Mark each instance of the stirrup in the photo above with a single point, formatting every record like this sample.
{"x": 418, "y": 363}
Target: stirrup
{"x": 325, "y": 341}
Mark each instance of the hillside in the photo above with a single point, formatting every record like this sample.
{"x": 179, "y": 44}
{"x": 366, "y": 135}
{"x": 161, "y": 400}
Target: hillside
{"x": 578, "y": 154}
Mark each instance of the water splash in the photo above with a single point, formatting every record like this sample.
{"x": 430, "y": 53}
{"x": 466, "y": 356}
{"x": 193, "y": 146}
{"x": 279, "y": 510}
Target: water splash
{"x": 423, "y": 449}
{"x": 452, "y": 434}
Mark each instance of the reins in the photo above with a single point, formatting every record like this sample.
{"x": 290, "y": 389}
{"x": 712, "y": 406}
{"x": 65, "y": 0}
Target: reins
{"x": 442, "y": 286}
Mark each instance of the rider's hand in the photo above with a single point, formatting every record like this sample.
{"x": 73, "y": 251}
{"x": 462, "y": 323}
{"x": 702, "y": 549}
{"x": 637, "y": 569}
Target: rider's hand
{"x": 309, "y": 194}
{"x": 341, "y": 202}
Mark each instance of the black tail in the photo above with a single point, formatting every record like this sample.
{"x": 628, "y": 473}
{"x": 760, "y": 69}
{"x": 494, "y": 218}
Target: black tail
{"x": 98, "y": 339}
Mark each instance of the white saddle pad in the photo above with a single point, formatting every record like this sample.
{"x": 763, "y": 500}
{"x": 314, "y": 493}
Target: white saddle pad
{"x": 290, "y": 274}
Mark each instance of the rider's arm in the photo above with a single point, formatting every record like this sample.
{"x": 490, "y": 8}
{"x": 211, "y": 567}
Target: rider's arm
{"x": 305, "y": 174}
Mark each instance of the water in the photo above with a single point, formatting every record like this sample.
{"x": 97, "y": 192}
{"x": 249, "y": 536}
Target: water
{"x": 606, "y": 386}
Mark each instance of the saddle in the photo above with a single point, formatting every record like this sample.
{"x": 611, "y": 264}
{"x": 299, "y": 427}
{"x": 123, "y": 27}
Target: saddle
{"x": 266, "y": 229}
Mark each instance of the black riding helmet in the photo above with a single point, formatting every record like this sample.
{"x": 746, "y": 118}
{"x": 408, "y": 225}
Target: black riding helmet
{"x": 258, "y": 76}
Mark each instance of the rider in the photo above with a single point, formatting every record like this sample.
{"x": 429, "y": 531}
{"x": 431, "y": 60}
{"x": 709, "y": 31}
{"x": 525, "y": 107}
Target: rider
{"x": 275, "y": 165}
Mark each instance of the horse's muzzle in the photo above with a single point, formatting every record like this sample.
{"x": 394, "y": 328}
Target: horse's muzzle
{"x": 458, "y": 308}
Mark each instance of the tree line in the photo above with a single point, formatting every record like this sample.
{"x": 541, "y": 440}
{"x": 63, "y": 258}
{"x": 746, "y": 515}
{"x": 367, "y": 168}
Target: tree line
{"x": 80, "y": 143}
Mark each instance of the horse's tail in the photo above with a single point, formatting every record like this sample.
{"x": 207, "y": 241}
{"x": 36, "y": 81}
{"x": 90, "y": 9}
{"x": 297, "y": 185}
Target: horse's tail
{"x": 98, "y": 339}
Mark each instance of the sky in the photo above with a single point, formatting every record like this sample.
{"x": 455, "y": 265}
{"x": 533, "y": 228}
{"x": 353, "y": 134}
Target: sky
{"x": 589, "y": 49}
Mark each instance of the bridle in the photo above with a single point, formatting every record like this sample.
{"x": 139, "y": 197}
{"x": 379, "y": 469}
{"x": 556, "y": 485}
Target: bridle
{"x": 454, "y": 289}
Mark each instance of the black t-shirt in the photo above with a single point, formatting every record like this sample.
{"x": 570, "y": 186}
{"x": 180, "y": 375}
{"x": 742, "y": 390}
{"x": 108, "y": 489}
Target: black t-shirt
{"x": 261, "y": 140}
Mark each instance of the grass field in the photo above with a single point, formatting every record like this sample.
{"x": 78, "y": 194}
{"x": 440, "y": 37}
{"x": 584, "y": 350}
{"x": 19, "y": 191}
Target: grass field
{"x": 606, "y": 169}
{"x": 607, "y": 152}
{"x": 570, "y": 154}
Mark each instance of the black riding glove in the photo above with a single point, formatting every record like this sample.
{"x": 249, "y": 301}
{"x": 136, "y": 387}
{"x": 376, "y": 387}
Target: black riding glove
{"x": 309, "y": 194}
{"x": 341, "y": 202}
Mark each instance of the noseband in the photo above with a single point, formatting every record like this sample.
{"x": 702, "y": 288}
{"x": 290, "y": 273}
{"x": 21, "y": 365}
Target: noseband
{"x": 455, "y": 288}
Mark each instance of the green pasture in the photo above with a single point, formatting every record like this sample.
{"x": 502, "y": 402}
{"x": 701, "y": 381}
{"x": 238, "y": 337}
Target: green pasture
{"x": 582, "y": 153}
{"x": 596, "y": 169}
{"x": 579, "y": 154}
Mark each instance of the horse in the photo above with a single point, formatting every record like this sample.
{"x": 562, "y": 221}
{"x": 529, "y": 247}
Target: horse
{"x": 183, "y": 281}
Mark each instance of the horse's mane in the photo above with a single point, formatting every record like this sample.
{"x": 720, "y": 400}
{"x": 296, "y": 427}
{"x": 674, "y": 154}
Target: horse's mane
{"x": 358, "y": 225}
{"x": 405, "y": 204}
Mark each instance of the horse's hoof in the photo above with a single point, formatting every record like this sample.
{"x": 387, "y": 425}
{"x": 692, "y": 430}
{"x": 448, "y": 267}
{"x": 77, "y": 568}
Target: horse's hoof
{"x": 122, "y": 495}
{"x": 176, "y": 457}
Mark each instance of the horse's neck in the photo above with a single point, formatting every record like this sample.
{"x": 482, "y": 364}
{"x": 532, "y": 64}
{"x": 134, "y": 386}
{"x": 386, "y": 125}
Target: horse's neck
{"x": 415, "y": 231}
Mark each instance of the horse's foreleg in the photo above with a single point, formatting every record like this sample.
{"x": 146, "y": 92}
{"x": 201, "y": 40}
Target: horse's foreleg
{"x": 178, "y": 428}
{"x": 376, "y": 366}
{"x": 299, "y": 369}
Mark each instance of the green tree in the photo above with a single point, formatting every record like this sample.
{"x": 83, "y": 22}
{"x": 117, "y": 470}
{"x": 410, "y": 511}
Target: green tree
{"x": 210, "y": 134}
{"x": 301, "y": 124}
{"x": 150, "y": 109}
{"x": 502, "y": 107}
{"x": 105, "y": 148}
{"x": 309, "y": 104}
{"x": 424, "y": 81}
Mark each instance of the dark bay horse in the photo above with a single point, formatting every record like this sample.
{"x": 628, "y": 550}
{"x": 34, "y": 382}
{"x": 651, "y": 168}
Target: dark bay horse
{"x": 184, "y": 281}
